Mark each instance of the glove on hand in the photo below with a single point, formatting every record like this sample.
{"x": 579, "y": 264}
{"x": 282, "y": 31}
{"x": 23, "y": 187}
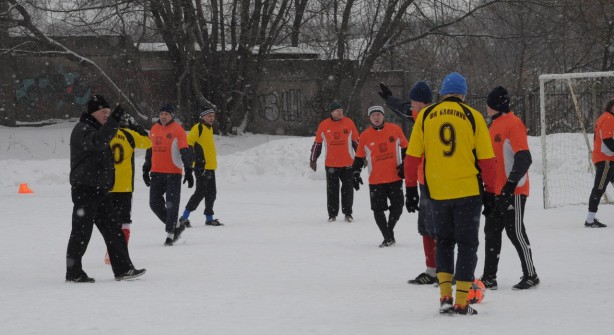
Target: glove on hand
{"x": 385, "y": 93}
{"x": 490, "y": 205}
{"x": 146, "y": 178}
{"x": 313, "y": 166}
{"x": 506, "y": 198}
{"x": 412, "y": 199}
{"x": 188, "y": 178}
{"x": 118, "y": 113}
{"x": 357, "y": 181}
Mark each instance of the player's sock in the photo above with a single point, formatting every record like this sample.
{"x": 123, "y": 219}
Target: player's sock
{"x": 186, "y": 214}
{"x": 462, "y": 290}
{"x": 590, "y": 217}
{"x": 445, "y": 284}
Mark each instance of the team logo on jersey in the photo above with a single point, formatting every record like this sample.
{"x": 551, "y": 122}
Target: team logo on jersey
{"x": 169, "y": 135}
{"x": 497, "y": 138}
{"x": 391, "y": 139}
{"x": 345, "y": 131}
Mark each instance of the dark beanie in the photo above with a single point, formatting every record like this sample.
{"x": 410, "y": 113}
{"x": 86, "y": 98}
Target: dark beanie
{"x": 421, "y": 92}
{"x": 499, "y": 100}
{"x": 97, "y": 102}
{"x": 334, "y": 106}
{"x": 169, "y": 109}
{"x": 205, "y": 112}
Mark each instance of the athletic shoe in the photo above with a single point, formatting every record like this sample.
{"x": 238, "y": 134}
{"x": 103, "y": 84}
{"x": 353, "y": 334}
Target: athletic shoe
{"x": 168, "y": 242}
{"x": 332, "y": 218}
{"x": 445, "y": 305}
{"x": 130, "y": 274}
{"x": 423, "y": 279}
{"x": 386, "y": 243}
{"x": 185, "y": 222}
{"x": 594, "y": 224}
{"x": 489, "y": 282}
{"x": 467, "y": 310}
{"x": 81, "y": 279}
{"x": 215, "y": 222}
{"x": 178, "y": 231}
{"x": 526, "y": 282}
{"x": 348, "y": 218}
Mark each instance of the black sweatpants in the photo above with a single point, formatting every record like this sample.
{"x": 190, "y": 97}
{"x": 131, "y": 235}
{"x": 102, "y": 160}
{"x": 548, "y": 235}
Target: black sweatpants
{"x": 205, "y": 189}
{"x": 458, "y": 223}
{"x": 333, "y": 176}
{"x": 92, "y": 207}
{"x": 380, "y": 194}
{"x": 603, "y": 176}
{"x": 165, "y": 208}
{"x": 513, "y": 223}
{"x": 122, "y": 201}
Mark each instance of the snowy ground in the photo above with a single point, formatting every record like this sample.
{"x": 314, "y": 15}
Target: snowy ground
{"x": 277, "y": 267}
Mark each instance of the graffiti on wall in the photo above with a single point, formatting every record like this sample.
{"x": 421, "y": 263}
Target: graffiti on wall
{"x": 54, "y": 89}
{"x": 283, "y": 106}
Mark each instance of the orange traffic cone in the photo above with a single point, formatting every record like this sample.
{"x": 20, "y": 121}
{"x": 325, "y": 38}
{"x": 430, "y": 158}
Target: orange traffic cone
{"x": 24, "y": 189}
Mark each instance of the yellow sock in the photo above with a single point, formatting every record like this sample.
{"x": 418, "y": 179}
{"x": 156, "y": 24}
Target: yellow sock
{"x": 462, "y": 290}
{"x": 445, "y": 284}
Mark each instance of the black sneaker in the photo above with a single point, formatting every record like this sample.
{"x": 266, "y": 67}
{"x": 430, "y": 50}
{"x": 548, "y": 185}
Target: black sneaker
{"x": 467, "y": 310}
{"x": 423, "y": 279}
{"x": 332, "y": 218}
{"x": 526, "y": 282}
{"x": 349, "y": 218}
{"x": 168, "y": 242}
{"x": 445, "y": 305}
{"x": 178, "y": 231}
{"x": 81, "y": 279}
{"x": 130, "y": 274}
{"x": 215, "y": 222}
{"x": 185, "y": 222}
{"x": 386, "y": 243}
{"x": 489, "y": 282}
{"x": 594, "y": 224}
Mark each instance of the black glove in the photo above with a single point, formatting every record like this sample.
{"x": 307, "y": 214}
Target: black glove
{"x": 188, "y": 178}
{"x": 146, "y": 178}
{"x": 357, "y": 181}
{"x": 412, "y": 199}
{"x": 199, "y": 172}
{"x": 490, "y": 205}
{"x": 401, "y": 171}
{"x": 313, "y": 166}
{"x": 506, "y": 198}
{"x": 118, "y": 113}
{"x": 385, "y": 93}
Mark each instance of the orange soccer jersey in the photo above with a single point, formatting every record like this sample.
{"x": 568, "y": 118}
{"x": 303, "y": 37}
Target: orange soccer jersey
{"x": 508, "y": 135}
{"x": 166, "y": 141}
{"x": 604, "y": 128}
{"x": 382, "y": 150}
{"x": 337, "y": 137}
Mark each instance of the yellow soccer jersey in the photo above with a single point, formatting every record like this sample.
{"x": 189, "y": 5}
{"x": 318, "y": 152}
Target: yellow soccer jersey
{"x": 123, "y": 145}
{"x": 200, "y": 138}
{"x": 452, "y": 137}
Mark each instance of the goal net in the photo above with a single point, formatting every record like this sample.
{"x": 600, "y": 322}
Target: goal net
{"x": 570, "y": 104}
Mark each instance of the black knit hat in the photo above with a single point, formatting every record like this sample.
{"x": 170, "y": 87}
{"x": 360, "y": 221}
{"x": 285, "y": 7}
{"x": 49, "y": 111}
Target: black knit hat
{"x": 169, "y": 109}
{"x": 499, "y": 100}
{"x": 334, "y": 106}
{"x": 97, "y": 102}
{"x": 421, "y": 92}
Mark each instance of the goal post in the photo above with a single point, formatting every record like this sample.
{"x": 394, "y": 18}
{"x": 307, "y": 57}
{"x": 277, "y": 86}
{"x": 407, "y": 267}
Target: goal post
{"x": 568, "y": 178}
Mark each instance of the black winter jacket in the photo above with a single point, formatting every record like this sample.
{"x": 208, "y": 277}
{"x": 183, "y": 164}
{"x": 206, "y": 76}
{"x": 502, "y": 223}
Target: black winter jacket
{"x": 91, "y": 158}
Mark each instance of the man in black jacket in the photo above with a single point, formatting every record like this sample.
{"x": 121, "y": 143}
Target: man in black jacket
{"x": 92, "y": 175}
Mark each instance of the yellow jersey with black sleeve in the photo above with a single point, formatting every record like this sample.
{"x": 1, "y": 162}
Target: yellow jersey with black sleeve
{"x": 200, "y": 138}
{"x": 452, "y": 137}
{"x": 123, "y": 145}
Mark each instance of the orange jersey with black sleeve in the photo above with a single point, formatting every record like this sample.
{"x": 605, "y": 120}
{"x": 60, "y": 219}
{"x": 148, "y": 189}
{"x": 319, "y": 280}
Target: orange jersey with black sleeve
{"x": 604, "y": 129}
{"x": 337, "y": 137}
{"x": 382, "y": 148}
{"x": 508, "y": 135}
{"x": 166, "y": 141}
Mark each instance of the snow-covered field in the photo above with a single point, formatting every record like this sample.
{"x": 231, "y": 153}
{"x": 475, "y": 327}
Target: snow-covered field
{"x": 277, "y": 266}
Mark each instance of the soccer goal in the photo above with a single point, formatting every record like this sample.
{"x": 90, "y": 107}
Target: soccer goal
{"x": 570, "y": 104}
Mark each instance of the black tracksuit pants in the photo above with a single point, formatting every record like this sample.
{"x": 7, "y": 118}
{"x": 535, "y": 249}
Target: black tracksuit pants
{"x": 92, "y": 207}
{"x": 380, "y": 194}
{"x": 513, "y": 223}
{"x": 333, "y": 176}
{"x": 205, "y": 189}
{"x": 603, "y": 176}
{"x": 165, "y": 208}
{"x": 122, "y": 201}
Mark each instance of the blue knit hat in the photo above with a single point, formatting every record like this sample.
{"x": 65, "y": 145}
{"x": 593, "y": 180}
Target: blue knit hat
{"x": 169, "y": 109}
{"x": 421, "y": 92}
{"x": 453, "y": 83}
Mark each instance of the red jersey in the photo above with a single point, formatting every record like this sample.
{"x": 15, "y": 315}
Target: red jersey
{"x": 508, "y": 135}
{"x": 337, "y": 137}
{"x": 166, "y": 141}
{"x": 382, "y": 149}
{"x": 604, "y": 128}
